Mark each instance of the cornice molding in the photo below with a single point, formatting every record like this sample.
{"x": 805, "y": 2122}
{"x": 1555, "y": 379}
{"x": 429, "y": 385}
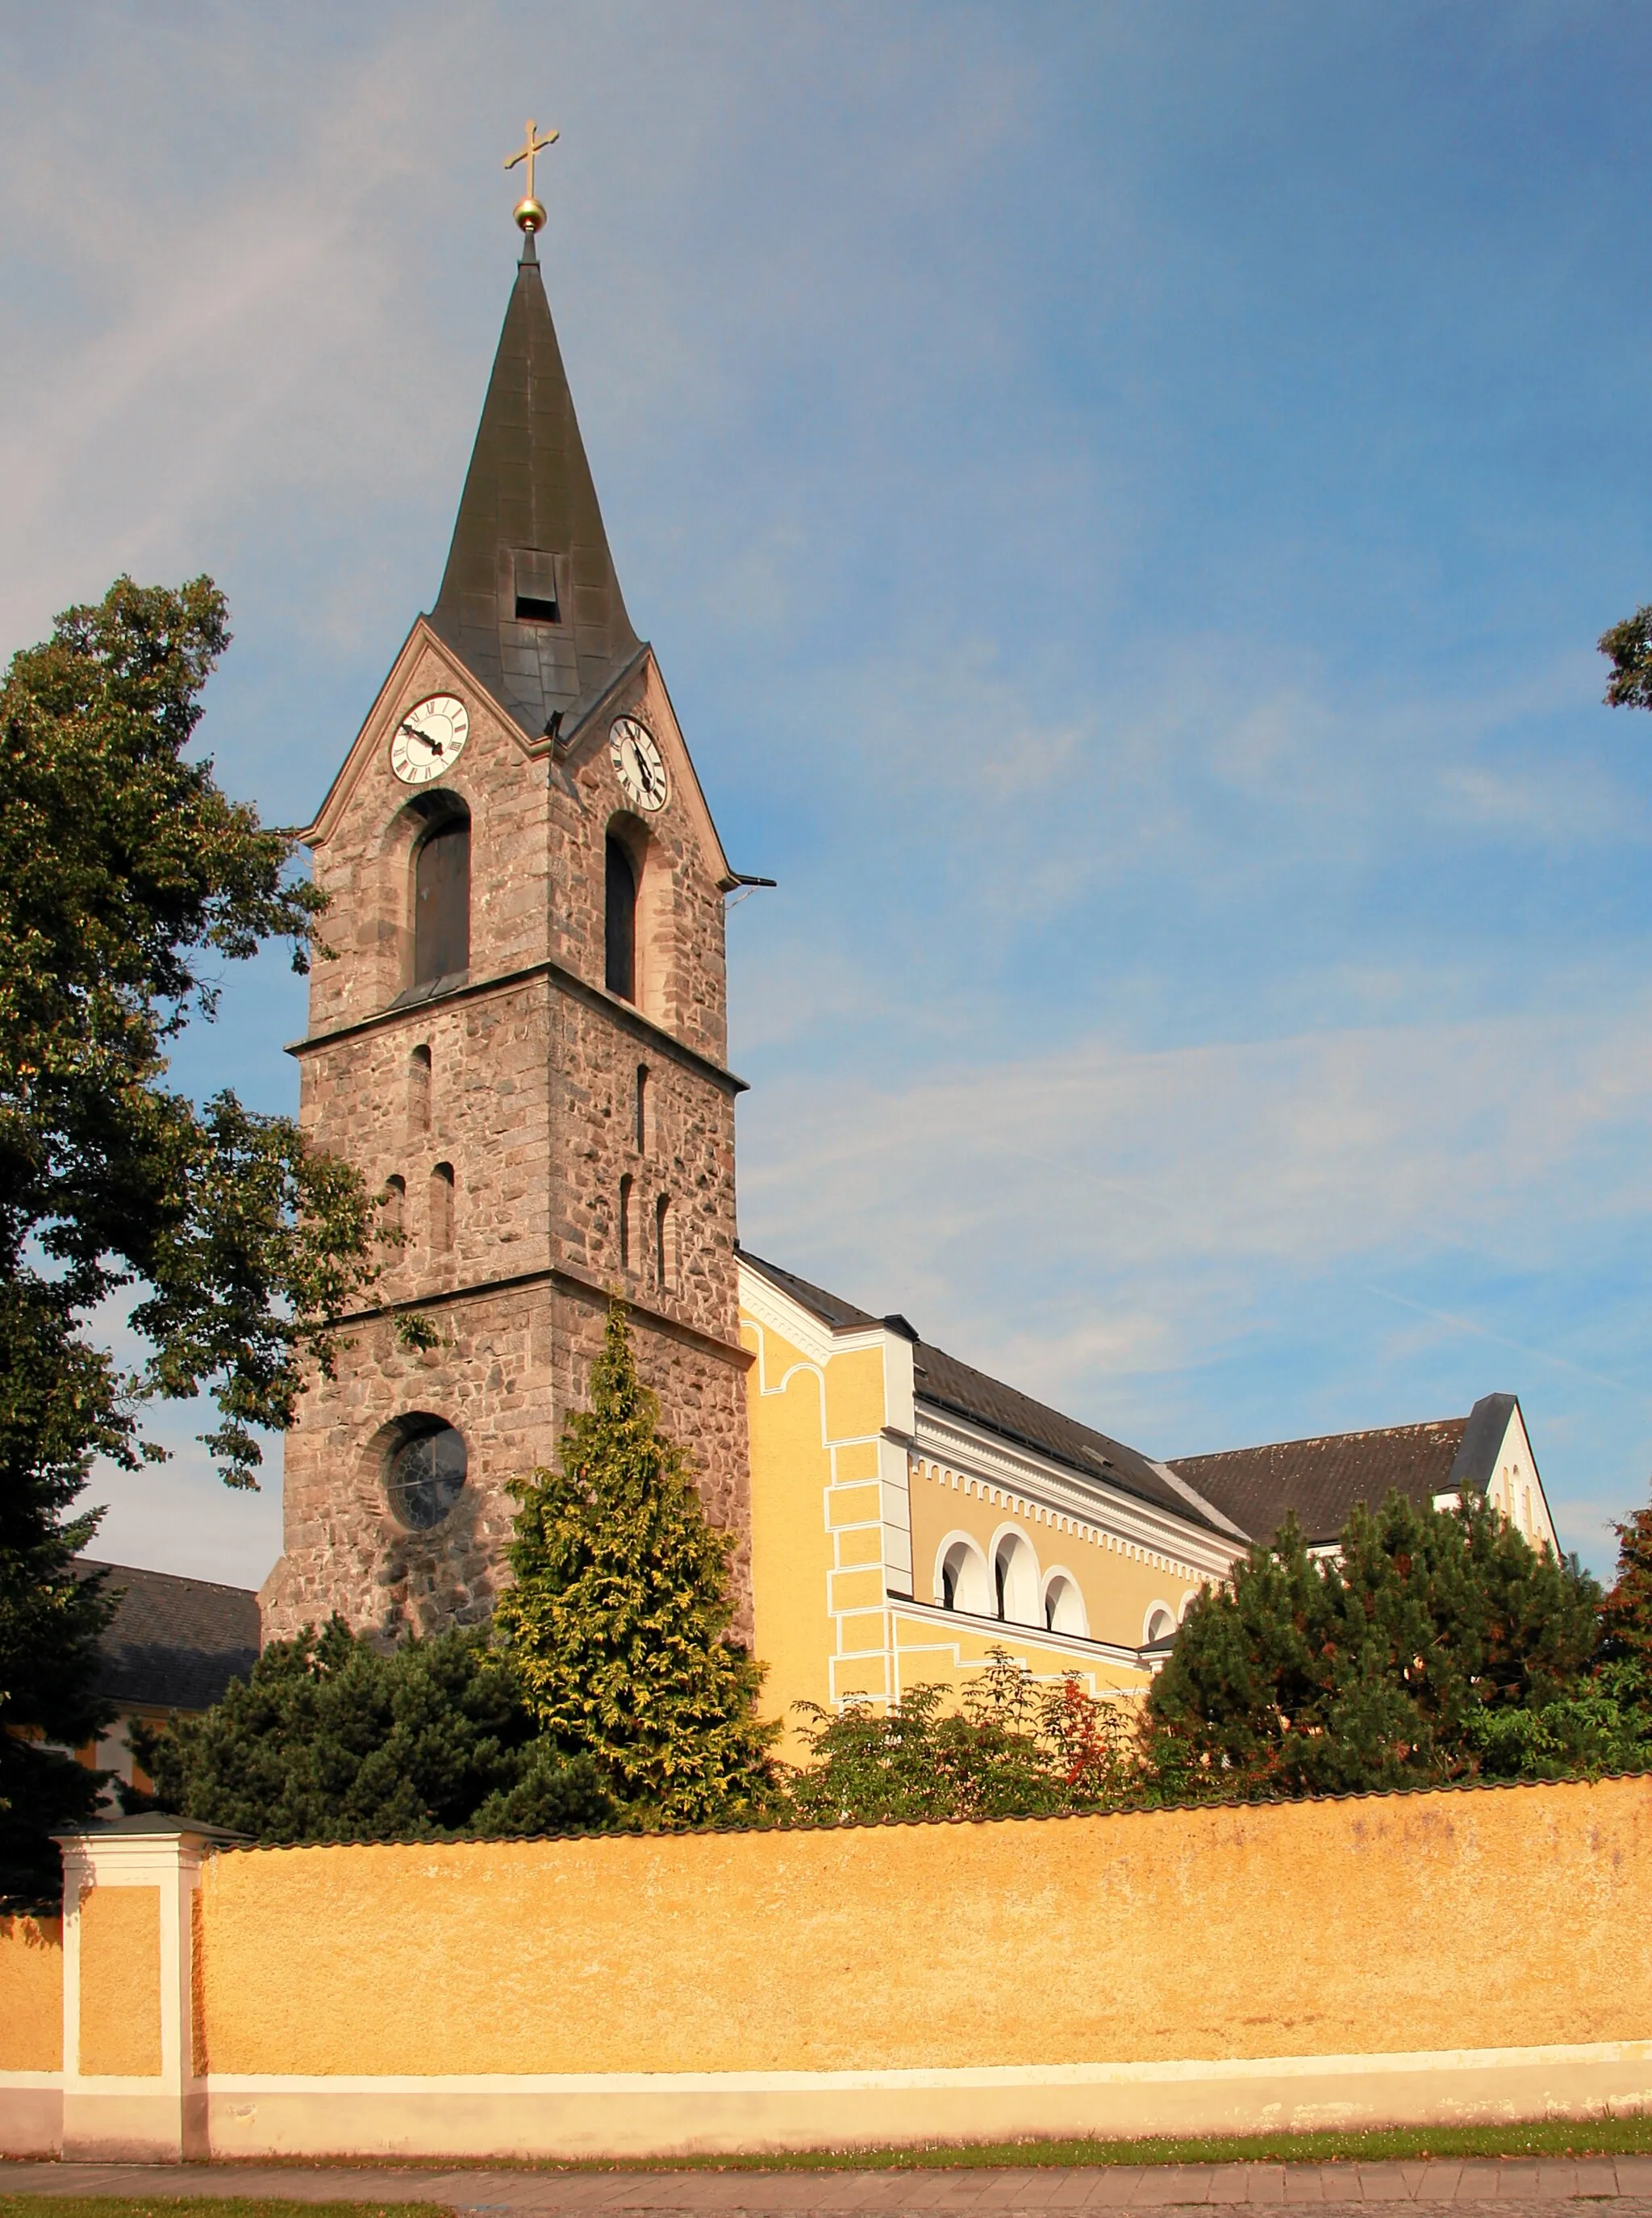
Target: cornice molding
{"x": 595, "y": 997}
{"x": 1073, "y": 1643}
{"x": 564, "y": 1281}
{"x": 949, "y": 1440}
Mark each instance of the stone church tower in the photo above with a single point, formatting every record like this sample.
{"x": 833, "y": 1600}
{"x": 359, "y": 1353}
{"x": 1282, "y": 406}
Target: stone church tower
{"x": 522, "y": 1042}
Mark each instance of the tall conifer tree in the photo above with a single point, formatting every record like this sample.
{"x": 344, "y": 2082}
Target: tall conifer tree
{"x": 618, "y": 1619}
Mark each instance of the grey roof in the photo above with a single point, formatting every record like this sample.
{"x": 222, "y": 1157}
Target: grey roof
{"x": 174, "y": 1643}
{"x": 945, "y": 1383}
{"x": 1484, "y": 1434}
{"x": 529, "y": 524}
{"x": 1321, "y": 1479}
{"x": 153, "y": 1824}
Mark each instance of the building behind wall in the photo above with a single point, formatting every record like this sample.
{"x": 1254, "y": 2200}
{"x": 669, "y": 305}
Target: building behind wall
{"x": 523, "y": 1044}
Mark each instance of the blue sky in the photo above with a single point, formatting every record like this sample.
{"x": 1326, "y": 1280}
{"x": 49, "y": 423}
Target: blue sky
{"x": 1124, "y": 498}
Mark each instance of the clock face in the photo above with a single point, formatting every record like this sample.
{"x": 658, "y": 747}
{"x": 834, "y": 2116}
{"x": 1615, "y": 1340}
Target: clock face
{"x": 638, "y": 762}
{"x": 429, "y": 739}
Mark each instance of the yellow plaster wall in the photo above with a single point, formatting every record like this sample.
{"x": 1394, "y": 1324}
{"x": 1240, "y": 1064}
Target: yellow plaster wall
{"x": 1477, "y": 1919}
{"x": 1119, "y": 1584}
{"x": 121, "y": 1980}
{"x": 812, "y": 1430}
{"x": 31, "y": 1994}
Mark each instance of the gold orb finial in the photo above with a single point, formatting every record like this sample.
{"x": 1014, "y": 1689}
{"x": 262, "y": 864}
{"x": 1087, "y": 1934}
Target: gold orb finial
{"x": 530, "y": 214}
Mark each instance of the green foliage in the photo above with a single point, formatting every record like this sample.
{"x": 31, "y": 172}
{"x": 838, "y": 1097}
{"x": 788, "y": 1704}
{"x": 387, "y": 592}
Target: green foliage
{"x": 1402, "y": 1664}
{"x": 1016, "y": 1750}
{"x": 618, "y": 1617}
{"x": 1629, "y": 645}
{"x": 125, "y": 873}
{"x": 332, "y": 1739}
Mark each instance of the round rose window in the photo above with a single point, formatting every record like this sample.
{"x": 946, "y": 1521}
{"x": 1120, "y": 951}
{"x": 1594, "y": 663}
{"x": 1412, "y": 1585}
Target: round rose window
{"x": 426, "y": 1472}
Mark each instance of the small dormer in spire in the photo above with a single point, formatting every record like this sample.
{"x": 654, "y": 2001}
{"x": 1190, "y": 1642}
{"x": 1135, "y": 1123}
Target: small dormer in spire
{"x": 531, "y": 600}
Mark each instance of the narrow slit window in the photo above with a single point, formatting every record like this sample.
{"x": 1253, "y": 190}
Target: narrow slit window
{"x": 620, "y": 922}
{"x": 442, "y": 903}
{"x": 395, "y": 1203}
{"x": 642, "y": 1108}
{"x": 665, "y": 1245}
{"x": 625, "y": 1221}
{"x": 536, "y": 599}
{"x": 418, "y": 1089}
{"x": 441, "y": 1209}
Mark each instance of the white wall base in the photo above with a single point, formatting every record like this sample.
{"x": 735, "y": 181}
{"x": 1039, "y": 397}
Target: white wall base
{"x": 667, "y": 2115}
{"x": 31, "y": 2113}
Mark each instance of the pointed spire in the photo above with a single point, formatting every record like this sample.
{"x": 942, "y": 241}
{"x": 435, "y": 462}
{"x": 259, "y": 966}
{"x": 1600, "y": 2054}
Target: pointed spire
{"x": 531, "y": 600}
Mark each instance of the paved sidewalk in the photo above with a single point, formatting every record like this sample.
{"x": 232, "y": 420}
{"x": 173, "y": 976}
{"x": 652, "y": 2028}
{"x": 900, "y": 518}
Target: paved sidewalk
{"x": 1469, "y": 2188}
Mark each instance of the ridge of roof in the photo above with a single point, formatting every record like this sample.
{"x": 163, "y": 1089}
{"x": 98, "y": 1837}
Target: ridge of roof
{"x": 1322, "y": 1440}
{"x": 528, "y": 493}
{"x": 165, "y": 1578}
{"x": 1324, "y": 1475}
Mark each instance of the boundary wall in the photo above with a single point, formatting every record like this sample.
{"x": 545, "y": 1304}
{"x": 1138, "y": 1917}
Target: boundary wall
{"x": 1418, "y": 1959}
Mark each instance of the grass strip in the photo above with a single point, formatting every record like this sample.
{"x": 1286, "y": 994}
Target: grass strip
{"x": 206, "y": 2206}
{"x": 1563, "y": 2138}
{"x": 1543, "y": 2137}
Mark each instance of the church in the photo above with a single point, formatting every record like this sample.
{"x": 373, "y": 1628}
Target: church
{"x": 522, "y": 1044}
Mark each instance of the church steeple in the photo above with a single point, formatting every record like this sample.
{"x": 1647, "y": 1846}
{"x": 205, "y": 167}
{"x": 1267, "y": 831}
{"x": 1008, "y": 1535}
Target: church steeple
{"x": 531, "y": 600}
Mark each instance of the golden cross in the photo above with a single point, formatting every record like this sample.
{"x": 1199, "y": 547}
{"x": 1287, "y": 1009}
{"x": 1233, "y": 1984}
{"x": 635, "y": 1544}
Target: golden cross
{"x": 526, "y": 153}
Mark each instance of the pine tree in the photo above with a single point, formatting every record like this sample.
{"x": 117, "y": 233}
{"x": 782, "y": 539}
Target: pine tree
{"x": 332, "y": 1739}
{"x": 617, "y": 1620}
{"x": 1437, "y": 1644}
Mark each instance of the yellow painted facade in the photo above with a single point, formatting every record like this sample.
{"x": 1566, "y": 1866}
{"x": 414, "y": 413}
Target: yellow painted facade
{"x": 31, "y": 1994}
{"x": 120, "y": 1981}
{"x": 861, "y": 1494}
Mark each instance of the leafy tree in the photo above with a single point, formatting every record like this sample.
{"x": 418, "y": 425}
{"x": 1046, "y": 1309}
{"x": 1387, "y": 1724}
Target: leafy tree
{"x": 331, "y": 1738}
{"x": 618, "y": 1619}
{"x": 1395, "y": 1664}
{"x": 1015, "y": 1749}
{"x": 1629, "y": 644}
{"x": 1626, "y": 1613}
{"x": 125, "y": 874}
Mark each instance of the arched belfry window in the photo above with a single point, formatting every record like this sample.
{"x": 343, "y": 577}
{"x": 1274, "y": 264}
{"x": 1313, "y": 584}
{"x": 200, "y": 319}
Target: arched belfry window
{"x": 441, "y": 902}
{"x": 621, "y": 918}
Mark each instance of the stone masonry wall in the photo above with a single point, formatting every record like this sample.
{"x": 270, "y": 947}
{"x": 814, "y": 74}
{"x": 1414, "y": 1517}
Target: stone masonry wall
{"x": 528, "y": 1099}
{"x": 681, "y": 948}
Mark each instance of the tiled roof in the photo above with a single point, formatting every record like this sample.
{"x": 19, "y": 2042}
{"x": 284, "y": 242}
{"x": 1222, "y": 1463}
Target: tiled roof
{"x": 174, "y": 1643}
{"x": 1322, "y": 1480}
{"x": 945, "y": 1383}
